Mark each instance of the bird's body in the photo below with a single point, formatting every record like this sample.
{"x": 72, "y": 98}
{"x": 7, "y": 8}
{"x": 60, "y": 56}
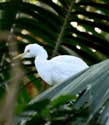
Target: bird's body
{"x": 57, "y": 69}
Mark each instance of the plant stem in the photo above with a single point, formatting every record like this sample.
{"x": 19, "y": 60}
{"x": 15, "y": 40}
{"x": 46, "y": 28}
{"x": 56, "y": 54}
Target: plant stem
{"x": 59, "y": 39}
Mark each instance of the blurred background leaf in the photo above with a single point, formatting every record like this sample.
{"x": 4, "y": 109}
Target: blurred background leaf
{"x": 86, "y": 35}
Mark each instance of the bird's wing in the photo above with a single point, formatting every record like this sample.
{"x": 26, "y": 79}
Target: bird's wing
{"x": 68, "y": 59}
{"x": 63, "y": 70}
{"x": 63, "y": 67}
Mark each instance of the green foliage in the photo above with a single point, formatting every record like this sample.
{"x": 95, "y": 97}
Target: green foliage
{"x": 61, "y": 100}
{"x": 85, "y": 34}
{"x": 39, "y": 106}
{"x": 79, "y": 101}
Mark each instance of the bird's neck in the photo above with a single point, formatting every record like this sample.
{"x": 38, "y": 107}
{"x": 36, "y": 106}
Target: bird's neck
{"x": 41, "y": 65}
{"x": 41, "y": 54}
{"x": 41, "y": 58}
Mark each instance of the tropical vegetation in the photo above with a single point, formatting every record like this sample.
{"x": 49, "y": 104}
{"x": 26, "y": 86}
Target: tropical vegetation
{"x": 74, "y": 27}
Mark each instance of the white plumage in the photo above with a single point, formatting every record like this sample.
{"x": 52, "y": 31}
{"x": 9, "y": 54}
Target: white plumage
{"x": 57, "y": 69}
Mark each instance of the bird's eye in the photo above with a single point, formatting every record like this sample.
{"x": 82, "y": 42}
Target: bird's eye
{"x": 28, "y": 50}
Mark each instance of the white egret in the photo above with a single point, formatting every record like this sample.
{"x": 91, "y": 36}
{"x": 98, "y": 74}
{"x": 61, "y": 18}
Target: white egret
{"x": 55, "y": 70}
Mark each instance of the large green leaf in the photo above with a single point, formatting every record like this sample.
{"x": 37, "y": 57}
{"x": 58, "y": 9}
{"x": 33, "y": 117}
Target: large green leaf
{"x": 85, "y": 33}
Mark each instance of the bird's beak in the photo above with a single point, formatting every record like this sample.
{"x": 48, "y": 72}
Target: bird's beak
{"x": 20, "y": 56}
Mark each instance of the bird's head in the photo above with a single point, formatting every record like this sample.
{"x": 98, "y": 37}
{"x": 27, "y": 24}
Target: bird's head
{"x": 33, "y": 50}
